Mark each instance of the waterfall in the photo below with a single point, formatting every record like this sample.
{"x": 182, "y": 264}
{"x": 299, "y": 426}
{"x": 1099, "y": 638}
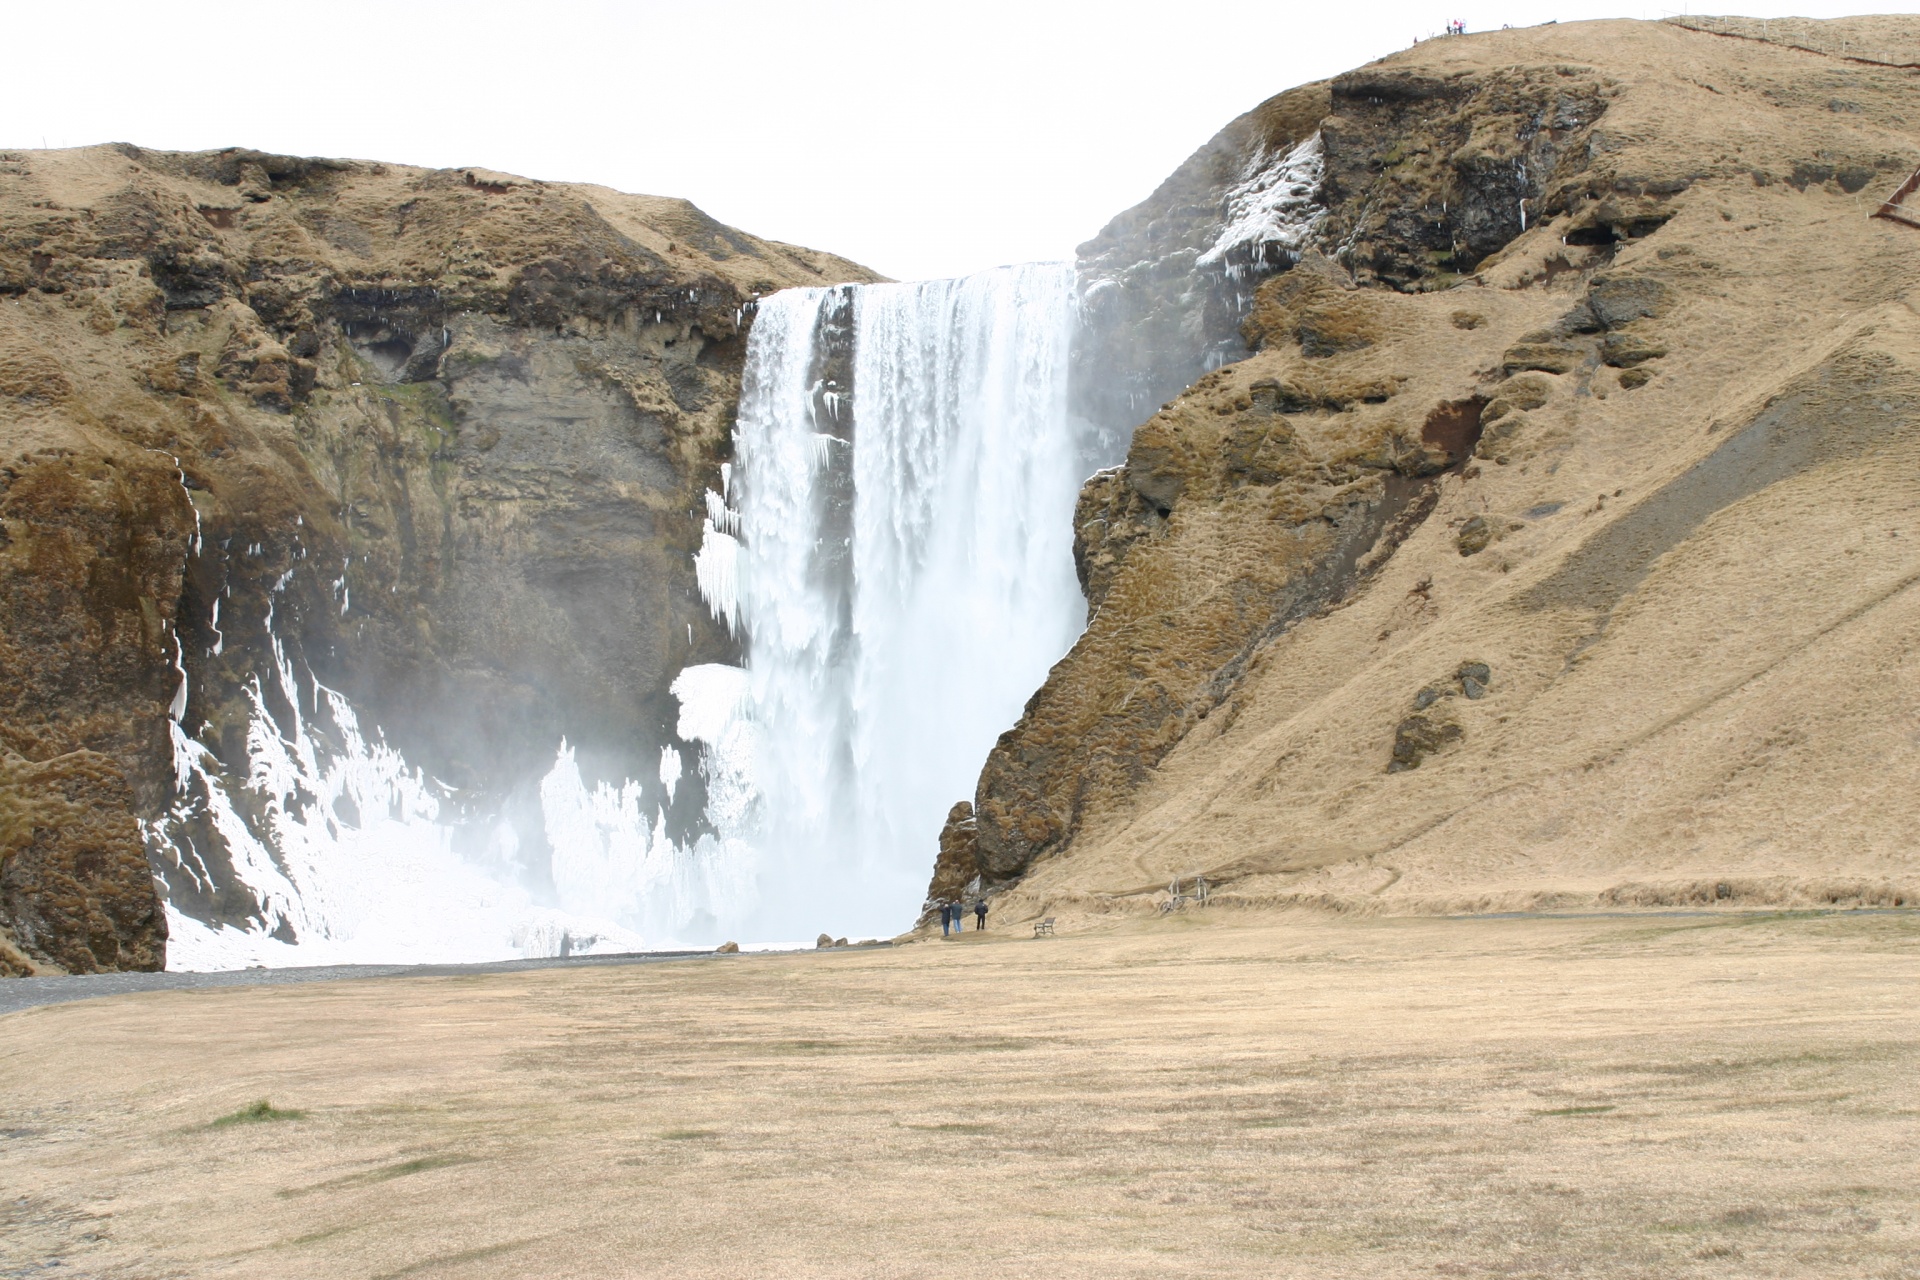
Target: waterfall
{"x": 895, "y": 543}
{"x": 892, "y": 542}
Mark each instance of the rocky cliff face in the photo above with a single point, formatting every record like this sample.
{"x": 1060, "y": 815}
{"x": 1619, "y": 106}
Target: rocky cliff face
{"x": 1547, "y": 545}
{"x": 434, "y": 439}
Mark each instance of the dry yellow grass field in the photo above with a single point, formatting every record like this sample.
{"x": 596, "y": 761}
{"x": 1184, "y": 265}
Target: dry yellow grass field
{"x": 1279, "y": 1096}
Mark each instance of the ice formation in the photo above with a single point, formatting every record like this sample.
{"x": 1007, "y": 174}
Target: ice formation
{"x": 1272, "y": 208}
{"x": 351, "y": 856}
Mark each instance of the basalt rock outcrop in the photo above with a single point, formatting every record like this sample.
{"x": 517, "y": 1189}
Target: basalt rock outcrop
{"x": 74, "y": 888}
{"x": 1549, "y": 542}
{"x": 957, "y": 869}
{"x": 434, "y": 439}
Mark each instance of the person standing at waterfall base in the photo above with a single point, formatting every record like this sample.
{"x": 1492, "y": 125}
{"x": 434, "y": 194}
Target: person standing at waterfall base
{"x": 946, "y": 918}
{"x": 980, "y": 915}
{"x": 959, "y": 915}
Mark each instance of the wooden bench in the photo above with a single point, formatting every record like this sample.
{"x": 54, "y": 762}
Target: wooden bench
{"x": 1044, "y": 929}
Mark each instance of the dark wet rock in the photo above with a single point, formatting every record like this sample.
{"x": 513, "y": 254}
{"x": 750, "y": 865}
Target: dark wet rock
{"x": 1429, "y": 175}
{"x": 1155, "y": 317}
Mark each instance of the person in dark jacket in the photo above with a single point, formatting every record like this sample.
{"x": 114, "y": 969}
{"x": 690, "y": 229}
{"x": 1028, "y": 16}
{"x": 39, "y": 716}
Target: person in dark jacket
{"x": 946, "y": 918}
{"x": 980, "y": 915}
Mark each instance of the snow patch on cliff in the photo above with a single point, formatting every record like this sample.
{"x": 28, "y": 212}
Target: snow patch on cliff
{"x": 1273, "y": 205}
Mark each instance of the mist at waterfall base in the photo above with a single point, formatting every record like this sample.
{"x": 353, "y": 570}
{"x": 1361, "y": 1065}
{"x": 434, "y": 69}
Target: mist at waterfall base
{"x": 893, "y": 547}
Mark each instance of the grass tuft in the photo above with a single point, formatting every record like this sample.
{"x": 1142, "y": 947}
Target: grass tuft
{"x": 256, "y": 1113}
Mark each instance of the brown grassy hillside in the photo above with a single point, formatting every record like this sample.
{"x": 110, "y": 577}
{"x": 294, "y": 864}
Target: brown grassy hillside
{"x": 1581, "y": 571}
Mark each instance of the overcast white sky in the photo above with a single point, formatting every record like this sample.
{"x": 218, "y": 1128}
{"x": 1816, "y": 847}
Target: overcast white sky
{"x": 921, "y": 139}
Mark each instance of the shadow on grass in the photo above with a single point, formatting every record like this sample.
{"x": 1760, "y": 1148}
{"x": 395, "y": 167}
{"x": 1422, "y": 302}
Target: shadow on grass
{"x": 405, "y": 1168}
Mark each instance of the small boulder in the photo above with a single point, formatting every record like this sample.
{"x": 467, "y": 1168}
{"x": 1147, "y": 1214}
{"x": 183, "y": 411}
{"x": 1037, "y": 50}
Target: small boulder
{"x": 1622, "y": 300}
{"x": 1624, "y": 350}
{"x": 1522, "y": 391}
{"x": 1546, "y": 357}
{"x": 824, "y": 940}
{"x": 1580, "y": 320}
{"x": 727, "y": 949}
{"x": 1418, "y": 736}
{"x": 839, "y": 942}
{"x": 1632, "y": 378}
{"x": 1475, "y": 536}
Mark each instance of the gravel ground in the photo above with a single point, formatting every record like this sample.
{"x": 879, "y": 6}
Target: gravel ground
{"x": 24, "y": 993}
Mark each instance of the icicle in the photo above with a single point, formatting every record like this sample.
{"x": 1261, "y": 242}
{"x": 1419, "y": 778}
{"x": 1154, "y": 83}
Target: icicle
{"x": 178, "y": 709}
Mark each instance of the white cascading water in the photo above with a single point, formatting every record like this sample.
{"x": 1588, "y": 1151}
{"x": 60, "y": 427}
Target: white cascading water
{"x": 898, "y": 554}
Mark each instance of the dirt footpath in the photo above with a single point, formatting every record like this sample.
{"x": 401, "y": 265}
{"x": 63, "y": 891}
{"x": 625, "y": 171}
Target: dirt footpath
{"x": 1302, "y": 1097}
